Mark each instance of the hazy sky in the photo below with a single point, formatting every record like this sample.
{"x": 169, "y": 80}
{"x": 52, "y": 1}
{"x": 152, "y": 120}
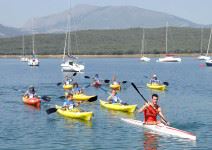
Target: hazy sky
{"x": 16, "y": 12}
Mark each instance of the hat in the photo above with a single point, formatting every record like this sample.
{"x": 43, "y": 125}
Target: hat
{"x": 154, "y": 75}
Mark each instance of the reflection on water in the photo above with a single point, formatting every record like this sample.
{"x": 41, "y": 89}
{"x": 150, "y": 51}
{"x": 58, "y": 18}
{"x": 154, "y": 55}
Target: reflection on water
{"x": 71, "y": 123}
{"x": 30, "y": 107}
{"x": 150, "y": 141}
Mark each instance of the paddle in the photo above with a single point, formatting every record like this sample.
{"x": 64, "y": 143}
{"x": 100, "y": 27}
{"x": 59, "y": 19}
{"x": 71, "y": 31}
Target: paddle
{"x": 147, "y": 101}
{"x": 87, "y": 77}
{"x": 74, "y": 74}
{"x": 46, "y": 98}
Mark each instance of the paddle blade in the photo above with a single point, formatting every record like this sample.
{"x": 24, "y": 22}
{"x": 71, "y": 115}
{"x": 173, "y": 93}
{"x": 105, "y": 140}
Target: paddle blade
{"x": 92, "y": 99}
{"x": 59, "y": 83}
{"x": 124, "y": 81}
{"x": 51, "y": 110}
{"x": 46, "y": 98}
{"x": 62, "y": 97}
{"x": 166, "y": 83}
{"x": 106, "y": 81}
{"x": 87, "y": 77}
{"x": 74, "y": 74}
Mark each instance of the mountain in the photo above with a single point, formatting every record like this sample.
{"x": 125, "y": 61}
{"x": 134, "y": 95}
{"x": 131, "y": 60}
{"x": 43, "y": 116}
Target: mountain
{"x": 85, "y": 17}
{"x": 10, "y": 31}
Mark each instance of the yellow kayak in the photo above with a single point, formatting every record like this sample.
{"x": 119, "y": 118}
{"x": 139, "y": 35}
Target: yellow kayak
{"x": 83, "y": 97}
{"x": 67, "y": 86}
{"x": 115, "y": 86}
{"x": 156, "y": 86}
{"x": 118, "y": 106}
{"x": 74, "y": 113}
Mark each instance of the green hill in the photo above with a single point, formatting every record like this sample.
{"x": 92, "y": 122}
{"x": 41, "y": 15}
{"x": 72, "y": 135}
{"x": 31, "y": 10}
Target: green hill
{"x": 126, "y": 41}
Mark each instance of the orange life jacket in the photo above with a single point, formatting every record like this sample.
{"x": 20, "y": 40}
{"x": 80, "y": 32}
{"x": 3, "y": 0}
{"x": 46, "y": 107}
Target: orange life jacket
{"x": 150, "y": 114}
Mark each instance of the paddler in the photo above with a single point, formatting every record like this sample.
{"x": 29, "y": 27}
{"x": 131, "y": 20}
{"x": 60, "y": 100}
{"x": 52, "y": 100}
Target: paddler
{"x": 30, "y": 92}
{"x": 151, "y": 110}
{"x": 113, "y": 98}
{"x": 69, "y": 103}
{"x": 154, "y": 80}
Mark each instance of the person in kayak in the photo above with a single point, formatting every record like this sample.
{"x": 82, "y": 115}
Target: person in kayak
{"x": 151, "y": 110}
{"x": 113, "y": 98}
{"x": 154, "y": 80}
{"x": 114, "y": 82}
{"x": 96, "y": 80}
{"x": 30, "y": 92}
{"x": 76, "y": 89}
{"x": 67, "y": 80}
{"x": 69, "y": 103}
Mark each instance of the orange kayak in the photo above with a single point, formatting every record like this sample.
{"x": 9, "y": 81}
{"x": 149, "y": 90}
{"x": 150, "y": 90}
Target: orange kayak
{"x": 32, "y": 101}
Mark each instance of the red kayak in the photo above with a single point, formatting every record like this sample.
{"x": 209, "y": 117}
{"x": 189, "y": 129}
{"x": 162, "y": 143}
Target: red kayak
{"x": 32, "y": 101}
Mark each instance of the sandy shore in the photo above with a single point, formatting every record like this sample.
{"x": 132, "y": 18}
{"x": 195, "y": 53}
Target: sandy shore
{"x": 106, "y": 56}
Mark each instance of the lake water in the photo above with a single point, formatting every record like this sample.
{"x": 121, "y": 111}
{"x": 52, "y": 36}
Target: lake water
{"x": 186, "y": 104}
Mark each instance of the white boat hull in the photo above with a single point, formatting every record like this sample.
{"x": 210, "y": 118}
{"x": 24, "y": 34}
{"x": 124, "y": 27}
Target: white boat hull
{"x": 33, "y": 62}
{"x": 72, "y": 66}
{"x": 203, "y": 57}
{"x": 144, "y": 59}
{"x": 209, "y": 62}
{"x": 169, "y": 59}
{"x": 161, "y": 128}
{"x": 24, "y": 59}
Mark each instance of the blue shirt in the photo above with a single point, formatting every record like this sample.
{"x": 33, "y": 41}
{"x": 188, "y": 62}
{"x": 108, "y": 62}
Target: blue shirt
{"x": 69, "y": 103}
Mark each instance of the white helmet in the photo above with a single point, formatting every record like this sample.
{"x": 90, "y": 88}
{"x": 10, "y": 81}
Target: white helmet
{"x": 154, "y": 75}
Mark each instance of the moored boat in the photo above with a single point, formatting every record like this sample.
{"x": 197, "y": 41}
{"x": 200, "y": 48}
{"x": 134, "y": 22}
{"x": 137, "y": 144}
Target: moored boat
{"x": 74, "y": 113}
{"x": 31, "y": 101}
{"x": 209, "y": 63}
{"x": 118, "y": 106}
{"x": 161, "y": 128}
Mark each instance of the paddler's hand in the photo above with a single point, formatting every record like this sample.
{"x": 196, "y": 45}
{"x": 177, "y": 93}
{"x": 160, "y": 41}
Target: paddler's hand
{"x": 168, "y": 124}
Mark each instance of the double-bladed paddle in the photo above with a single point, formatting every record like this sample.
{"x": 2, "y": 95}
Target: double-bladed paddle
{"x": 74, "y": 74}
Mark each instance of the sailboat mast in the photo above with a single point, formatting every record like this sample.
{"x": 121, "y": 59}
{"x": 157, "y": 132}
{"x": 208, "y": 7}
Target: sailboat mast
{"x": 143, "y": 36}
{"x": 209, "y": 42}
{"x": 33, "y": 39}
{"x": 201, "y": 41}
{"x": 166, "y": 36}
{"x": 23, "y": 46}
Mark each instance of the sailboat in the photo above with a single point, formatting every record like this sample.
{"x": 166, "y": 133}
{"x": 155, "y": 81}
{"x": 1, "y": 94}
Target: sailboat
{"x": 169, "y": 57}
{"x": 70, "y": 61}
{"x": 209, "y": 61}
{"x": 206, "y": 57}
{"x": 33, "y": 61}
{"x": 143, "y": 58}
{"x": 23, "y": 57}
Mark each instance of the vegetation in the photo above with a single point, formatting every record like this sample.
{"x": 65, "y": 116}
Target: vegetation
{"x": 97, "y": 42}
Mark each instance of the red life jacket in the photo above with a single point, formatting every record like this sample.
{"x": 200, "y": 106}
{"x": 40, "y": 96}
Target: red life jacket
{"x": 150, "y": 114}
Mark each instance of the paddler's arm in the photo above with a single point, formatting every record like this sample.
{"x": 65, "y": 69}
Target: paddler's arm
{"x": 162, "y": 116}
{"x": 143, "y": 107}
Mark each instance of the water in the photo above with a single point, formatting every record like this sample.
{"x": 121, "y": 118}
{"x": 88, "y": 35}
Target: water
{"x": 187, "y": 105}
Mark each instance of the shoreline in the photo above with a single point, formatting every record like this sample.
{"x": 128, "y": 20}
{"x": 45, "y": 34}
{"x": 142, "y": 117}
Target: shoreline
{"x": 107, "y": 56}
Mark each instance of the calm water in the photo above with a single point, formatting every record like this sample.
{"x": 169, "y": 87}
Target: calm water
{"x": 187, "y": 105}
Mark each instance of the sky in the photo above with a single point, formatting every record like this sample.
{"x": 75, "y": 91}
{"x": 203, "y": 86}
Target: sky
{"x": 16, "y": 13}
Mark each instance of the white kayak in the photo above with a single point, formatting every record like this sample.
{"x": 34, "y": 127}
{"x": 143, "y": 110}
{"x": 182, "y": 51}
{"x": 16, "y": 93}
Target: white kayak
{"x": 162, "y": 129}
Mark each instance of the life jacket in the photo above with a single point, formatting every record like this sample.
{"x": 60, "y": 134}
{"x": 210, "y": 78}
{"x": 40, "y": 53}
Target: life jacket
{"x": 150, "y": 114}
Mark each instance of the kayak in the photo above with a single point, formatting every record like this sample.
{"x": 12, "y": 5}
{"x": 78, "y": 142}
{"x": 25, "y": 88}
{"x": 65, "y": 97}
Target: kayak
{"x": 83, "y": 97}
{"x": 115, "y": 86}
{"x": 67, "y": 86}
{"x": 118, "y": 106}
{"x": 161, "y": 128}
{"x": 74, "y": 113}
{"x": 156, "y": 86}
{"x": 31, "y": 101}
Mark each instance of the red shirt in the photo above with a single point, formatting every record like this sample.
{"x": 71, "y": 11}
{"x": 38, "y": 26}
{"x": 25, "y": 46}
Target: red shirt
{"x": 150, "y": 114}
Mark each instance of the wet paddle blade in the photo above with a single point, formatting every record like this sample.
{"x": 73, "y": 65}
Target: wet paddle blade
{"x": 87, "y": 77}
{"x": 92, "y": 99}
{"x": 51, "y": 110}
{"x": 124, "y": 81}
{"x": 166, "y": 83}
{"x": 46, "y": 98}
{"x": 59, "y": 83}
{"x": 61, "y": 97}
{"x": 106, "y": 81}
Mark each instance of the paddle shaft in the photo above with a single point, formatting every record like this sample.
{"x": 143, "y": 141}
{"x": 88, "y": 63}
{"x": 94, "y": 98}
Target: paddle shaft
{"x": 147, "y": 101}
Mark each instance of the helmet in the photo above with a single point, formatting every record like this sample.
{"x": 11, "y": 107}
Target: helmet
{"x": 154, "y": 75}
